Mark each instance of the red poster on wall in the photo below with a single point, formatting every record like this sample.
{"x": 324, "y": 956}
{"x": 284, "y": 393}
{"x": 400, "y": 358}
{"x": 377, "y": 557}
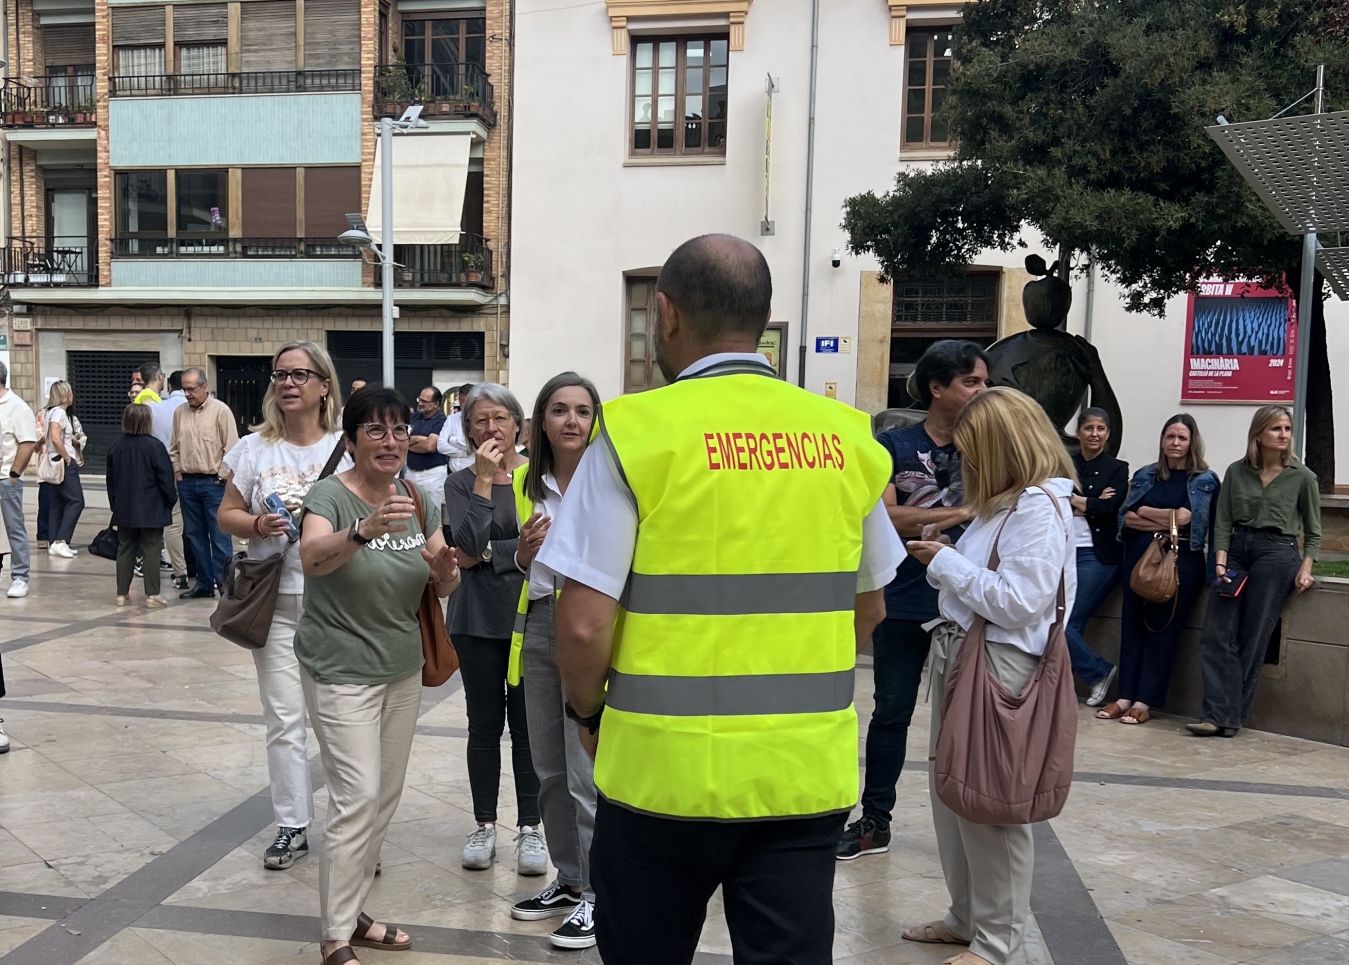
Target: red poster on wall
{"x": 1240, "y": 341}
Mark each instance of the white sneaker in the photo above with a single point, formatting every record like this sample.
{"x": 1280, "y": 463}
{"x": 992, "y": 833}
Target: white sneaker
{"x": 61, "y": 549}
{"x": 4, "y": 738}
{"x": 18, "y": 590}
{"x": 1099, "y": 689}
{"x": 481, "y": 849}
{"x": 531, "y": 857}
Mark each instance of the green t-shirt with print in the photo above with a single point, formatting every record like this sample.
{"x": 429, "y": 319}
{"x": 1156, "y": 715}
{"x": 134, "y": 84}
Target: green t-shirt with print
{"x": 359, "y": 624}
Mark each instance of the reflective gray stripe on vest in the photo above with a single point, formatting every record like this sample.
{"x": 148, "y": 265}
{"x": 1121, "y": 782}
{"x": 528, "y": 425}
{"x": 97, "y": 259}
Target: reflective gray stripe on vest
{"x": 520, "y": 623}
{"x": 740, "y": 593}
{"x": 788, "y": 693}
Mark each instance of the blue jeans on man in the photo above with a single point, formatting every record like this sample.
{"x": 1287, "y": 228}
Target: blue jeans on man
{"x": 1095, "y": 580}
{"x": 200, "y": 496}
{"x": 11, "y": 507}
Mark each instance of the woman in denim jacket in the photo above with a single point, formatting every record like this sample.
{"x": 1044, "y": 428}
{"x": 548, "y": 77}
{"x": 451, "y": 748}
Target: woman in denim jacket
{"x": 1150, "y": 632}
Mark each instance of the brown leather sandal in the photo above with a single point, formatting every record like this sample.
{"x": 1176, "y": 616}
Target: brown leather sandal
{"x": 933, "y": 933}
{"x": 1136, "y": 715}
{"x": 340, "y": 956}
{"x": 1111, "y": 711}
{"x": 388, "y": 943}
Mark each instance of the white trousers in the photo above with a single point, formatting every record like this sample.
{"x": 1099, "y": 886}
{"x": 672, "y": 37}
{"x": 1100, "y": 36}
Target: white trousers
{"x": 283, "y": 708}
{"x": 988, "y": 868}
{"x": 432, "y": 480}
{"x": 365, "y": 735}
{"x": 173, "y": 542}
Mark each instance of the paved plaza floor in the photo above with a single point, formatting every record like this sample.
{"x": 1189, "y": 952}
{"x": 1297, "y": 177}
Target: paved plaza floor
{"x": 134, "y": 814}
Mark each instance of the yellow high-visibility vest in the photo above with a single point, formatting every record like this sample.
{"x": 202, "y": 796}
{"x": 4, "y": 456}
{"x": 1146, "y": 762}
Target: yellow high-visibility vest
{"x": 524, "y": 508}
{"x": 730, "y": 693}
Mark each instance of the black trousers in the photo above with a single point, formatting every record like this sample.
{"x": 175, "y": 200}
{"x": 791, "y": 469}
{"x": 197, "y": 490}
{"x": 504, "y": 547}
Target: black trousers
{"x": 900, "y": 649}
{"x": 1237, "y": 631}
{"x": 482, "y": 665}
{"x": 147, "y": 542}
{"x": 654, "y": 876}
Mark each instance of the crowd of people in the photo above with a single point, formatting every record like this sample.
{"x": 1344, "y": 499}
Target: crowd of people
{"x": 677, "y": 685}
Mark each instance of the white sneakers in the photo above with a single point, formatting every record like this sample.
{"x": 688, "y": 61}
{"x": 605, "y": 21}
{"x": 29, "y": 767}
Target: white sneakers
{"x": 1100, "y": 688}
{"x": 61, "y": 549}
{"x": 18, "y": 589}
{"x": 4, "y": 738}
{"x": 531, "y": 857}
{"x": 481, "y": 848}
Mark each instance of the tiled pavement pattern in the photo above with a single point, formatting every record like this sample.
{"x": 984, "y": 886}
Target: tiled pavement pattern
{"x": 133, "y": 816}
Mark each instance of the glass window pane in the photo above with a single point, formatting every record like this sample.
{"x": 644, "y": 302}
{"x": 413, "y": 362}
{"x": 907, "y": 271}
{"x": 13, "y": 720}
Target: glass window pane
{"x": 940, "y": 132}
{"x": 641, "y": 139}
{"x": 642, "y": 83}
{"x": 202, "y": 202}
{"x": 666, "y": 110}
{"x": 643, "y": 55}
{"x": 693, "y": 80}
{"x": 719, "y": 48}
{"x": 917, "y": 102}
{"x": 716, "y": 107}
{"x": 918, "y": 40}
{"x": 938, "y": 99}
{"x": 693, "y": 54}
{"x": 637, "y": 347}
{"x": 693, "y": 108}
{"x": 445, "y": 50}
{"x": 475, "y": 51}
{"x": 941, "y": 73}
{"x": 143, "y": 203}
{"x": 716, "y": 136}
{"x": 913, "y": 130}
{"x": 665, "y": 138}
{"x": 638, "y": 315}
{"x": 445, "y": 28}
{"x": 641, "y": 111}
{"x": 414, "y": 28}
{"x": 637, "y": 375}
{"x": 140, "y": 61}
{"x": 918, "y": 73}
{"x": 667, "y": 81}
{"x": 718, "y": 78}
{"x": 667, "y": 54}
{"x": 201, "y": 59}
{"x": 942, "y": 44}
{"x": 693, "y": 135}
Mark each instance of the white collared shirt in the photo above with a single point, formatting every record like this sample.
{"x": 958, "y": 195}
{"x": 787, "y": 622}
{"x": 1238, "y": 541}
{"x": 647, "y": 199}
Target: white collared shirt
{"x": 594, "y": 531}
{"x": 542, "y": 581}
{"x": 453, "y": 444}
{"x": 1019, "y": 598}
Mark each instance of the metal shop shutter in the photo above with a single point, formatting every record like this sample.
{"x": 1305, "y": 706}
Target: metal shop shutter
{"x": 269, "y": 202}
{"x": 200, "y": 23}
{"x": 332, "y": 34}
{"x": 137, "y": 26}
{"x": 268, "y": 35}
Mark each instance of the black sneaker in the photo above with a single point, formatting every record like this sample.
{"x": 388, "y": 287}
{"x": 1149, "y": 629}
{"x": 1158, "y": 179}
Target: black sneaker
{"x": 180, "y": 583}
{"x": 865, "y": 836}
{"x": 578, "y": 931}
{"x": 290, "y": 843}
{"x": 549, "y": 903}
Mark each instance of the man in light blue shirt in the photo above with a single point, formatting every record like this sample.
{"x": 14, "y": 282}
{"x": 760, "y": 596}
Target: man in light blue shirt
{"x": 161, "y": 415}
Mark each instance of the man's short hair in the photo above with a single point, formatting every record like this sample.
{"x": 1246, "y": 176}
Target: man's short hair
{"x": 149, "y": 371}
{"x": 4, "y": 374}
{"x": 943, "y": 363}
{"x": 176, "y": 380}
{"x": 435, "y": 394}
{"x": 199, "y": 373}
{"x": 721, "y": 286}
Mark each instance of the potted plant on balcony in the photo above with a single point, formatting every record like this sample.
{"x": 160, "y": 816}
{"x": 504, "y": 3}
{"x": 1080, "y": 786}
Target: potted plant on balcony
{"x": 472, "y": 262}
{"x": 469, "y": 94}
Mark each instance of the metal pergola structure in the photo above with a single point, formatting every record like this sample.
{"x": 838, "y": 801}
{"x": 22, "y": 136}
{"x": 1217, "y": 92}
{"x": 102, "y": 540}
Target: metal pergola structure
{"x": 1299, "y": 167}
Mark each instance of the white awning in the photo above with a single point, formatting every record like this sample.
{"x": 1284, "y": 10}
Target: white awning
{"x": 429, "y": 172}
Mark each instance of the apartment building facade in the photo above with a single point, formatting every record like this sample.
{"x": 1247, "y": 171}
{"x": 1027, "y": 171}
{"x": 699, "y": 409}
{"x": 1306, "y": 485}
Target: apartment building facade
{"x": 178, "y": 173}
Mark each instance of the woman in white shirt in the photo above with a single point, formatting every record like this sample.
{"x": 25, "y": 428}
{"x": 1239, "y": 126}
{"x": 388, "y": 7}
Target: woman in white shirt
{"x": 1018, "y": 479}
{"x": 564, "y": 413}
{"x": 284, "y": 457}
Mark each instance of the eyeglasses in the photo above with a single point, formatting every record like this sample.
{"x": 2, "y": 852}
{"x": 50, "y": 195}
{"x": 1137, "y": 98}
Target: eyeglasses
{"x": 500, "y": 421}
{"x": 194, "y": 388}
{"x": 297, "y": 376}
{"x": 375, "y": 431}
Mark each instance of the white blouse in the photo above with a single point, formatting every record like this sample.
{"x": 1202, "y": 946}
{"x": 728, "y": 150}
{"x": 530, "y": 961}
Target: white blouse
{"x": 1018, "y": 599}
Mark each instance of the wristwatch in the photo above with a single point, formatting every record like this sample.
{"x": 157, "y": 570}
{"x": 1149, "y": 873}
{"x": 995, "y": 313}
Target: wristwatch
{"x": 591, "y": 723}
{"x": 487, "y": 554}
{"x": 14, "y": 475}
{"x": 354, "y": 534}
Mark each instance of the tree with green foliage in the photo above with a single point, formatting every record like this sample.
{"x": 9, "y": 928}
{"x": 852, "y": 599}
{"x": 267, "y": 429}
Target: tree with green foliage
{"x": 1085, "y": 121}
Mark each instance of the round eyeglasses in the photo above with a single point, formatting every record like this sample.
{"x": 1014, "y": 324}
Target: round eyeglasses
{"x": 376, "y": 431}
{"x": 297, "y": 376}
{"x": 501, "y": 421}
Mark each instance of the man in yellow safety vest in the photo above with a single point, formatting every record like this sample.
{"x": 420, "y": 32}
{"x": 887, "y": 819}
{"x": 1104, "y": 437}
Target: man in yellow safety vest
{"x": 724, "y": 552}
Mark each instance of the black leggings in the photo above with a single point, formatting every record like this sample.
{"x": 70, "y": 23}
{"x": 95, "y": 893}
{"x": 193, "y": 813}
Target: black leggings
{"x": 482, "y": 664}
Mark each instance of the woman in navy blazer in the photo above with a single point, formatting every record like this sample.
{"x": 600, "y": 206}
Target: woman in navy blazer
{"x": 141, "y": 493}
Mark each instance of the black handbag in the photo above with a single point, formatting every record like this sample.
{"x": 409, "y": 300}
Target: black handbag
{"x": 104, "y": 545}
{"x": 244, "y": 614}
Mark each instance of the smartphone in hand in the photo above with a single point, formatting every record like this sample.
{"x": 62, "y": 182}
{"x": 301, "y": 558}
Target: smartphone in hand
{"x": 274, "y": 504}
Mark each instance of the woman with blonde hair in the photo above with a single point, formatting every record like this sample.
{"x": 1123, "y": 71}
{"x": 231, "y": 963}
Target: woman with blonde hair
{"x": 64, "y": 442}
{"x": 1268, "y": 499}
{"x": 1018, "y": 481}
{"x": 283, "y": 457}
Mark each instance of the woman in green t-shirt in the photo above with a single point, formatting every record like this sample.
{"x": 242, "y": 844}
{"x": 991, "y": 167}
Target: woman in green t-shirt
{"x": 367, "y": 556}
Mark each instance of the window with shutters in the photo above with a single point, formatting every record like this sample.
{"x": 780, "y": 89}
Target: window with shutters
{"x": 200, "y": 36}
{"x": 267, "y": 35}
{"x": 138, "y": 49}
{"x": 679, "y": 96}
{"x": 68, "y": 56}
{"x": 928, "y": 71}
{"x": 332, "y": 34}
{"x": 329, "y": 195}
{"x": 640, "y": 371}
{"x": 268, "y": 203}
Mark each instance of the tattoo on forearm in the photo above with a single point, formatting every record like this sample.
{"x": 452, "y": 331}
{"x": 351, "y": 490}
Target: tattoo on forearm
{"x": 327, "y": 559}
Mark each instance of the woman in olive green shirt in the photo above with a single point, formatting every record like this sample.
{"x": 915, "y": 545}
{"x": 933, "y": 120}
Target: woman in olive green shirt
{"x": 1267, "y": 500}
{"x": 367, "y": 559}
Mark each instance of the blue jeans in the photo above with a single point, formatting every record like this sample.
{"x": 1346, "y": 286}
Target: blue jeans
{"x": 45, "y": 495}
{"x": 900, "y": 649}
{"x": 67, "y": 506}
{"x": 200, "y": 498}
{"x": 1095, "y": 580}
{"x": 11, "y": 505}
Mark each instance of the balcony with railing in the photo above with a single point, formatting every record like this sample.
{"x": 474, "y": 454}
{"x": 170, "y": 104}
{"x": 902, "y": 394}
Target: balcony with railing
{"x": 245, "y": 82}
{"x": 216, "y": 247}
{"x": 48, "y": 101}
{"x": 42, "y": 263}
{"x": 465, "y": 265}
{"x": 445, "y": 91}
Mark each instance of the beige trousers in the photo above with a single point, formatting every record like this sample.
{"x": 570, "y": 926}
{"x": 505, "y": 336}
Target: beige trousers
{"x": 365, "y": 735}
{"x": 173, "y": 541}
{"x": 988, "y": 868}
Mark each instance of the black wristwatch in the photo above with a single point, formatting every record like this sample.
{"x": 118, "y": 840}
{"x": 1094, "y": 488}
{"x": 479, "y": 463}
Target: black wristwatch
{"x": 354, "y": 534}
{"x": 14, "y": 475}
{"x": 591, "y": 723}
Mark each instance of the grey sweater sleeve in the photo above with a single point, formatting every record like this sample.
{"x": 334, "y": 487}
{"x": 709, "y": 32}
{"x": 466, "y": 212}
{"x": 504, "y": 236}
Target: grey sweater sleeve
{"x": 470, "y": 518}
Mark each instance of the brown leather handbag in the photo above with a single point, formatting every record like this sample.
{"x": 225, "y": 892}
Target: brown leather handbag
{"x": 439, "y": 660}
{"x": 244, "y": 614}
{"x": 1005, "y": 758}
{"x": 1156, "y": 575}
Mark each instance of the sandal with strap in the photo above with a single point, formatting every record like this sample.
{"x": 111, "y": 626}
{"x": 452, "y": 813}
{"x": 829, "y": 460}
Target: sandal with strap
{"x": 1111, "y": 711}
{"x": 933, "y": 933}
{"x": 388, "y": 943}
{"x": 1136, "y": 715}
{"x": 340, "y": 956}
{"x": 967, "y": 958}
